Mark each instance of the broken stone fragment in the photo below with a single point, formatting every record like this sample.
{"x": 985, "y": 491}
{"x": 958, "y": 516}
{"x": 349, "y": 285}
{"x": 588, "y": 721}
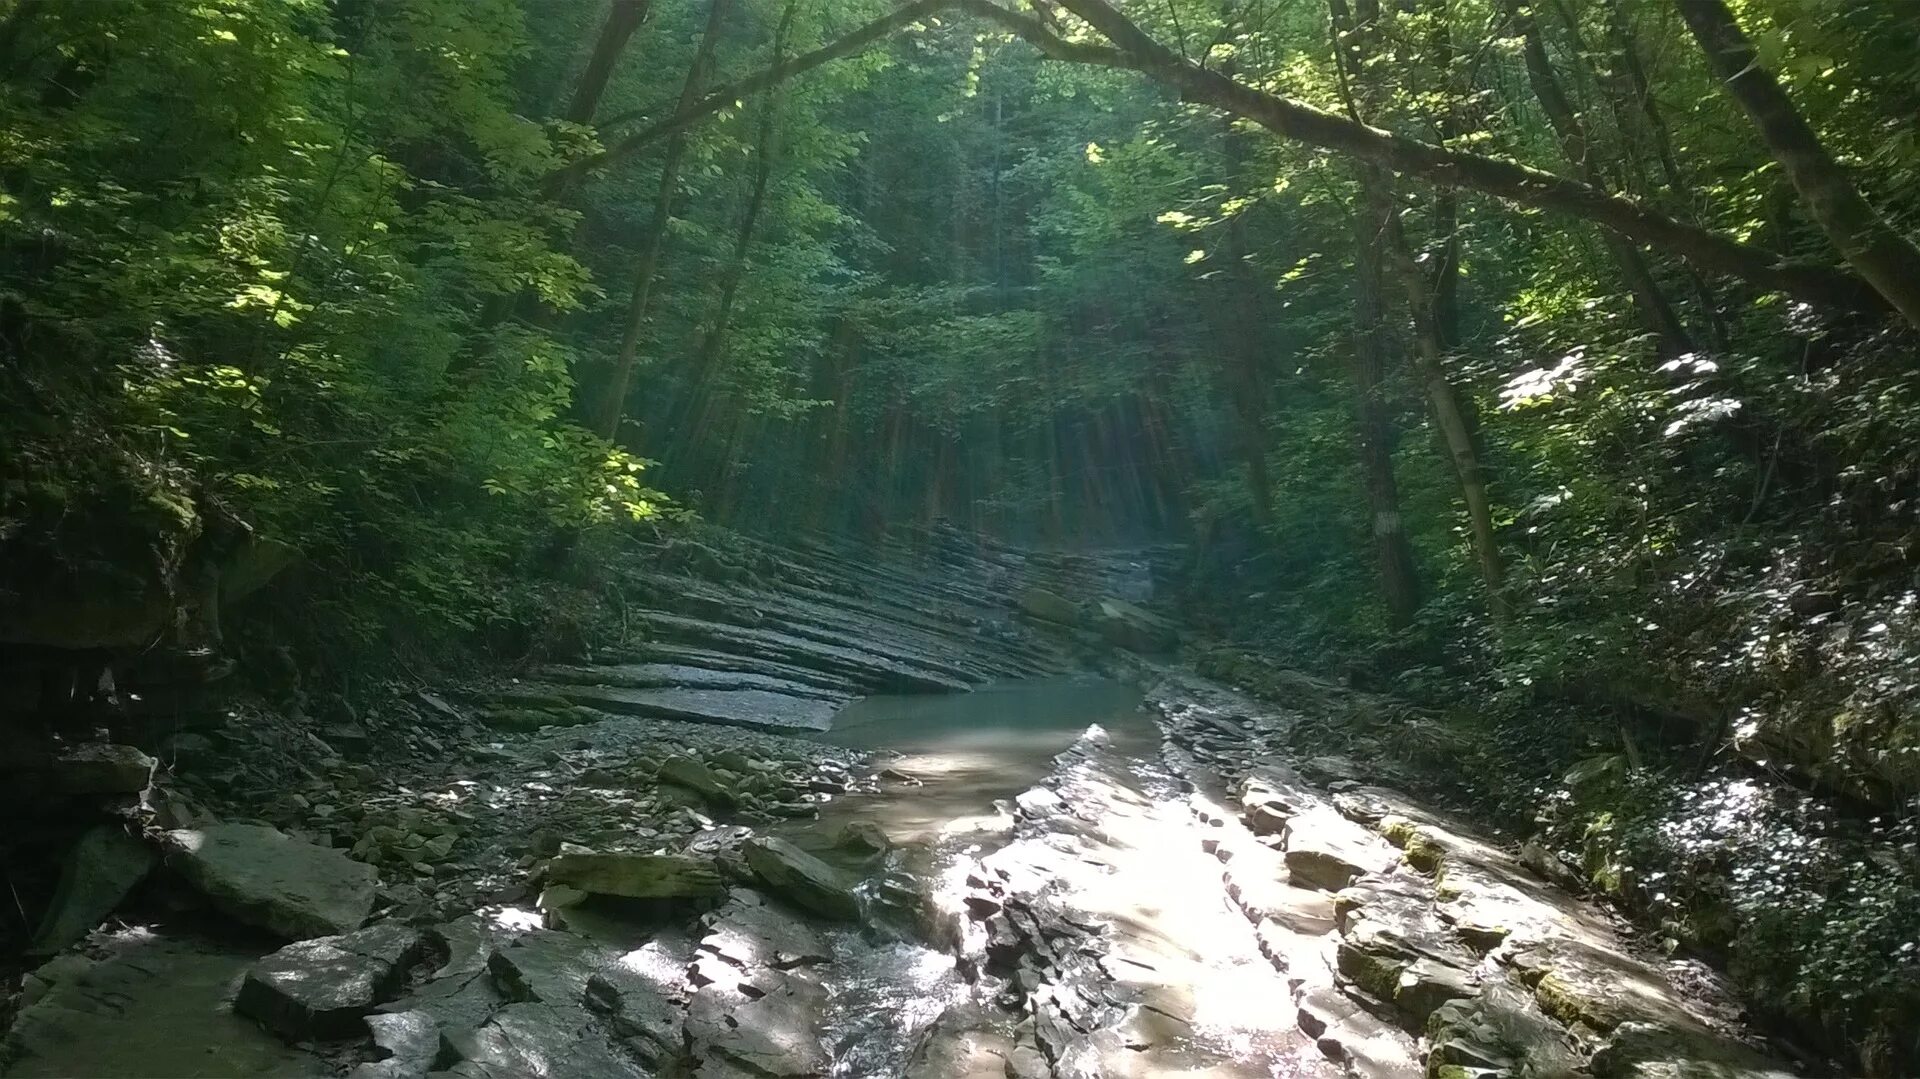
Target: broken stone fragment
{"x": 638, "y": 876}
{"x": 267, "y": 879}
{"x": 321, "y": 988}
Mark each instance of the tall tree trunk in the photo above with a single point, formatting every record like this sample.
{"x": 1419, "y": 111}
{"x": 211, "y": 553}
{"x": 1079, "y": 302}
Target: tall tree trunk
{"x": 1571, "y": 134}
{"x": 1353, "y": 33}
{"x": 696, "y": 412}
{"x": 623, "y": 18}
{"x": 612, "y": 405}
{"x": 1399, "y": 583}
{"x": 1888, "y": 260}
{"x": 1245, "y": 325}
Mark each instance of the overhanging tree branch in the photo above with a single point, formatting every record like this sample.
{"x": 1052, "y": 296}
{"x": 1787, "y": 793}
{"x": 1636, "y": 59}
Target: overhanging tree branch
{"x": 1133, "y": 49}
{"x": 1821, "y": 286}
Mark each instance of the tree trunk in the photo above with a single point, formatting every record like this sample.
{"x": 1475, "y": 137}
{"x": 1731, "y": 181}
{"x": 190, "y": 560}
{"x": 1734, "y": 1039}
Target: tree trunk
{"x": 696, "y": 411}
{"x": 1399, "y": 583}
{"x": 1381, "y": 229}
{"x": 1888, "y": 260}
{"x": 612, "y": 405}
{"x": 1571, "y": 134}
{"x": 623, "y": 18}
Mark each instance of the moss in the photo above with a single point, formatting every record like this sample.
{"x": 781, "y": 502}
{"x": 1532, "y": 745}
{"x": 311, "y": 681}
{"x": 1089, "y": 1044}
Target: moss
{"x": 1374, "y": 974}
{"x": 1561, "y": 1000}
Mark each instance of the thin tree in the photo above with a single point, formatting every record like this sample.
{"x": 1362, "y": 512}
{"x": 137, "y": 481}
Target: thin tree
{"x": 612, "y": 404}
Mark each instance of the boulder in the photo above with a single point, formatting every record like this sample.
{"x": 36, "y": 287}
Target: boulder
{"x": 267, "y": 879}
{"x": 1049, "y": 606}
{"x": 684, "y": 771}
{"x": 321, "y": 988}
{"x": 638, "y": 876}
{"x": 802, "y": 879}
{"x": 99, "y": 872}
{"x": 101, "y": 768}
{"x": 1133, "y": 627}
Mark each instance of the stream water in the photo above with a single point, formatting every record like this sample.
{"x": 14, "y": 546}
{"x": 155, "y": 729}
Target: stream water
{"x": 954, "y": 764}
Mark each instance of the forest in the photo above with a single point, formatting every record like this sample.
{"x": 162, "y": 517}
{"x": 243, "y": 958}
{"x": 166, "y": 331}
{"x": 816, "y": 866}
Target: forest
{"x": 1537, "y": 374}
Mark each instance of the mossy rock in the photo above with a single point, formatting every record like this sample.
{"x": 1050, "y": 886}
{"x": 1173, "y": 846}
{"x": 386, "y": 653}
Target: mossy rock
{"x": 1376, "y": 975}
{"x": 1417, "y": 844}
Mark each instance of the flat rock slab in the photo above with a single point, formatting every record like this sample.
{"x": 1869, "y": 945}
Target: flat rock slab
{"x": 267, "y": 879}
{"x": 321, "y": 988}
{"x": 756, "y": 708}
{"x": 638, "y": 876}
{"x": 869, "y": 669}
{"x": 101, "y": 768}
{"x": 154, "y": 1008}
{"x": 687, "y": 676}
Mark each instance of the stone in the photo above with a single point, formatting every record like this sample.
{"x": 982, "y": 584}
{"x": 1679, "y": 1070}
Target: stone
{"x": 98, "y": 873}
{"x": 547, "y": 966}
{"x": 749, "y": 932}
{"x": 533, "y": 1040}
{"x": 1499, "y": 1030}
{"x": 802, "y": 879}
{"x": 776, "y": 1033}
{"x": 148, "y": 1006}
{"x": 101, "y": 768}
{"x": 862, "y": 839}
{"x": 411, "y": 1044}
{"x": 642, "y": 996}
{"x": 264, "y": 878}
{"x": 321, "y": 988}
{"x": 1639, "y": 1050}
{"x": 682, "y": 771}
{"x": 638, "y": 876}
{"x": 1345, "y": 1032}
{"x": 1326, "y": 850}
{"x": 1049, "y": 606}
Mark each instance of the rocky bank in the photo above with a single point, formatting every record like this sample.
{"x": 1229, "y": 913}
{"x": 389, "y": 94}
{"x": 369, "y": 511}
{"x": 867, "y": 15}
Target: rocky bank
{"x": 635, "y": 865}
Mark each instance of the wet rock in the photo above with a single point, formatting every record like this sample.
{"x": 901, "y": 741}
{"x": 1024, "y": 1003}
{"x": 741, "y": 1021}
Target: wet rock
{"x": 1325, "y": 850}
{"x": 682, "y": 771}
{"x": 801, "y": 879}
{"x": 320, "y": 988}
{"x": 98, "y": 873}
{"x": 1345, "y": 1032}
{"x": 774, "y": 1032}
{"x": 547, "y": 966}
{"x": 1396, "y": 950}
{"x": 749, "y": 932}
{"x": 410, "y": 1045}
{"x": 638, "y": 876}
{"x": 1587, "y": 983}
{"x": 267, "y": 879}
{"x": 532, "y": 1040}
{"x": 643, "y": 999}
{"x": 101, "y": 768}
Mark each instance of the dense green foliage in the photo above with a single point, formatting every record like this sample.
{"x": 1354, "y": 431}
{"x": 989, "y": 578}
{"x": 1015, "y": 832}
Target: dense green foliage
{"x": 388, "y": 306}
